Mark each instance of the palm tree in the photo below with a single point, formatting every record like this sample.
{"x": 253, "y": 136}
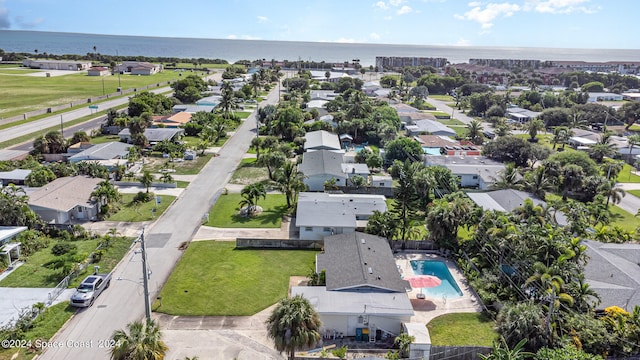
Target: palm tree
{"x": 250, "y": 195}
{"x": 257, "y": 143}
{"x": 228, "y": 100}
{"x": 599, "y": 151}
{"x": 509, "y": 178}
{"x": 532, "y": 127}
{"x": 501, "y": 351}
{"x": 289, "y": 181}
{"x": 474, "y": 132}
{"x": 146, "y": 179}
{"x": 611, "y": 192}
{"x": 143, "y": 342}
{"x": 404, "y": 341}
{"x": 633, "y": 140}
{"x": 272, "y": 160}
{"x": 561, "y": 135}
{"x": 538, "y": 182}
{"x": 106, "y": 193}
{"x": 294, "y": 324}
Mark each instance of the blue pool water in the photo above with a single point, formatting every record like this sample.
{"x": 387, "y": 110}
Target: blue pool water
{"x": 358, "y": 148}
{"x": 448, "y": 288}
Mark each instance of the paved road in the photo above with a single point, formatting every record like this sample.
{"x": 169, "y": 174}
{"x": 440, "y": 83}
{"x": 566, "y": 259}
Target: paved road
{"x": 124, "y": 301}
{"x": 54, "y": 120}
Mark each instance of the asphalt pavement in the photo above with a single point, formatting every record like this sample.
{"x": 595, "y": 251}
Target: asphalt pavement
{"x": 124, "y": 301}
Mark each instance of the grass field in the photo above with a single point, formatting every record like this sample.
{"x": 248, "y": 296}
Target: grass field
{"x": 460, "y": 329}
{"x": 214, "y": 278}
{"x": 131, "y": 212}
{"x": 224, "y": 213}
{"x": 190, "y": 167}
{"x": 442, "y": 97}
{"x": 20, "y": 94}
{"x": 248, "y": 173}
{"x": 34, "y": 274}
{"x": 623, "y": 218}
{"x": 626, "y": 176}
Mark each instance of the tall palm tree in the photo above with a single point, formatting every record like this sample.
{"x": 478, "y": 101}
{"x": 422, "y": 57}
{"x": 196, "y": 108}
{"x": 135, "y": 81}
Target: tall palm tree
{"x": 146, "y": 179}
{"x": 106, "y": 192}
{"x": 250, "y": 196}
{"x": 474, "y": 132}
{"x": 294, "y": 324}
{"x": 532, "y": 127}
{"x": 611, "y": 192}
{"x": 143, "y": 342}
{"x": 538, "y": 182}
{"x": 509, "y": 178}
{"x": 289, "y": 181}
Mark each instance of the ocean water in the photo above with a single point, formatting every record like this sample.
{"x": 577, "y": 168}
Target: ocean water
{"x": 233, "y": 50}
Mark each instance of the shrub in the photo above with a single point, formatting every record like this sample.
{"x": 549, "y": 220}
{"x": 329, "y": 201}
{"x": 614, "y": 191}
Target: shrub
{"x": 62, "y": 248}
{"x": 142, "y": 197}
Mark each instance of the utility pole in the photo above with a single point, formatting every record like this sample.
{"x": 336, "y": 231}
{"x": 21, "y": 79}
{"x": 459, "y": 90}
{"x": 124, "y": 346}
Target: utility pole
{"x": 61, "y": 126}
{"x": 145, "y": 278}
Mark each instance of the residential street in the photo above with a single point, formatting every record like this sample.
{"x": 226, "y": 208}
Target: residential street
{"x": 124, "y": 301}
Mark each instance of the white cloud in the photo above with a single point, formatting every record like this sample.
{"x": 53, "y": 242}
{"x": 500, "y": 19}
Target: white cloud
{"x": 462, "y": 42}
{"x": 560, "y": 6}
{"x": 404, "y": 10}
{"x": 345, "y": 40}
{"x": 396, "y": 3}
{"x": 262, "y": 19}
{"x": 232, "y": 37}
{"x": 474, "y": 4}
{"x": 381, "y": 5}
{"x": 485, "y": 16}
{"x": 374, "y": 36}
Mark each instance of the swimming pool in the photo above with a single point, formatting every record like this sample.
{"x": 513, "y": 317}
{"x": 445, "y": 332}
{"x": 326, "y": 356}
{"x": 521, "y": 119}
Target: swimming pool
{"x": 448, "y": 288}
{"x": 358, "y": 148}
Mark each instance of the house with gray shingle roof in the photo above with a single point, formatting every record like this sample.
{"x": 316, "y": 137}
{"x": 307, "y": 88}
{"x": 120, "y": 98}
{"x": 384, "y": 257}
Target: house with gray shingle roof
{"x": 612, "y": 271}
{"x": 154, "y": 135}
{"x": 66, "y": 199}
{"x": 320, "y": 166}
{"x": 506, "y": 200}
{"x": 429, "y": 127}
{"x": 324, "y": 214}
{"x": 15, "y": 176}
{"x": 364, "y": 289}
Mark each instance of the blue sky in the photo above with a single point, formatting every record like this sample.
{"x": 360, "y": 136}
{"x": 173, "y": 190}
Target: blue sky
{"x": 601, "y": 24}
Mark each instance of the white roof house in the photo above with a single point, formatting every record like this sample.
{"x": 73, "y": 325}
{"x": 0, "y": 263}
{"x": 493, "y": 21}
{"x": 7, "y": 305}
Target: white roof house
{"x": 474, "y": 171}
{"x": 323, "y": 214}
{"x": 430, "y": 126}
{"x": 104, "y": 151}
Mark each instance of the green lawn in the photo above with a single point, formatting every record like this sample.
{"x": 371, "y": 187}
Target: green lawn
{"x": 635, "y": 193}
{"x": 187, "y": 167}
{"x": 224, "y": 212}
{"x": 462, "y": 329}
{"x": 248, "y": 172}
{"x": 623, "y": 219}
{"x": 34, "y": 274}
{"x": 626, "y": 176}
{"x": 131, "y": 212}
{"x": 44, "y": 327}
{"x": 101, "y": 139}
{"x": 20, "y": 94}
{"x": 214, "y": 278}
{"x": 182, "y": 184}
{"x": 442, "y": 97}
{"x": 452, "y": 122}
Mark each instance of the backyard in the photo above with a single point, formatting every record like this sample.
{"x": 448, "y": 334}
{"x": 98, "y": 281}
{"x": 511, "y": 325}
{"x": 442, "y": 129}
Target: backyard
{"x": 461, "y": 329}
{"x": 224, "y": 212}
{"x": 215, "y": 278}
{"x": 188, "y": 167}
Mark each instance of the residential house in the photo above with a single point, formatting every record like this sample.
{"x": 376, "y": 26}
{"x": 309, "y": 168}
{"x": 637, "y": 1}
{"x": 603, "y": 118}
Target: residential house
{"x": 192, "y": 108}
{"x": 370, "y": 88}
{"x": 321, "y": 140}
{"x": 334, "y": 76}
{"x": 521, "y": 115}
{"x": 321, "y": 166}
{"x": 583, "y": 138}
{"x": 477, "y": 172}
{"x": 212, "y": 100}
{"x": 381, "y": 181}
{"x": 429, "y": 127}
{"x": 613, "y": 273}
{"x": 506, "y": 200}
{"x": 353, "y": 169}
{"x": 410, "y": 118}
{"x": 105, "y": 151}
{"x": 326, "y": 95}
{"x": 57, "y": 64}
{"x": 364, "y": 295}
{"x": 98, "y": 71}
{"x": 604, "y": 96}
{"x": 16, "y": 177}
{"x": 439, "y": 145}
{"x": 66, "y": 199}
{"x": 138, "y": 68}
{"x": 323, "y": 214}
{"x": 154, "y": 135}
{"x": 9, "y": 249}
{"x": 173, "y": 120}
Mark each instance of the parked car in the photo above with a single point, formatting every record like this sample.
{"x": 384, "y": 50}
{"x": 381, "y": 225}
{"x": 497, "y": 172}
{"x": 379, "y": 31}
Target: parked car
{"x": 89, "y": 289}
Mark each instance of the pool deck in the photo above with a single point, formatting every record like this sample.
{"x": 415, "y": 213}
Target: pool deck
{"x": 430, "y": 308}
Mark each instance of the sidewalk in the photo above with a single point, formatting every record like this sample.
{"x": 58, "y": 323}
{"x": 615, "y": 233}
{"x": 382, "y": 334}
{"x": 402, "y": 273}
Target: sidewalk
{"x": 287, "y": 230}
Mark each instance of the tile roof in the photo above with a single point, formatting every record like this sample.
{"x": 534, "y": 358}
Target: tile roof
{"x": 63, "y": 194}
{"x": 359, "y": 261}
